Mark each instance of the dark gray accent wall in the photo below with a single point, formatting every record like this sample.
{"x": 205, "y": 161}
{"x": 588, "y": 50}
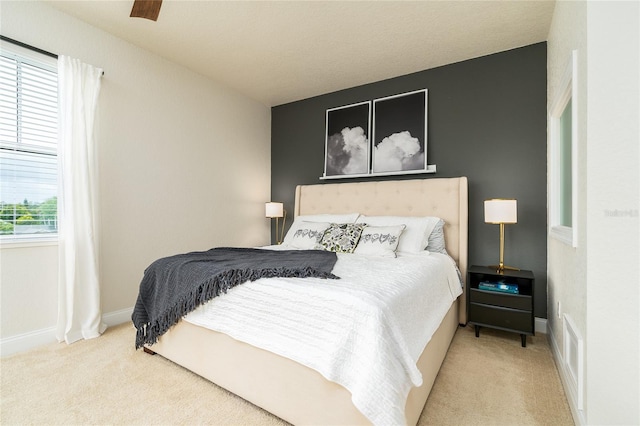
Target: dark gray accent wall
{"x": 486, "y": 121}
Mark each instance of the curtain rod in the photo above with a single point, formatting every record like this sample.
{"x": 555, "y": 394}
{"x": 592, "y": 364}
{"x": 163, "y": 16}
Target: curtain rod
{"x": 28, "y": 46}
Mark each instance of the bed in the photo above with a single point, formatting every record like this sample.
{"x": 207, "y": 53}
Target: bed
{"x": 291, "y": 390}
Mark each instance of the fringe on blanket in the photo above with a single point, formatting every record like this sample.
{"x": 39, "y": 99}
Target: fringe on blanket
{"x": 150, "y": 332}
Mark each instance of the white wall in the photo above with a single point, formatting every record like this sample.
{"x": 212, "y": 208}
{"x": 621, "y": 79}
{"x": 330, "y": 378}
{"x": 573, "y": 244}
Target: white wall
{"x": 597, "y": 283}
{"x": 567, "y": 272}
{"x": 184, "y": 164}
{"x": 29, "y": 288}
{"x": 613, "y": 185}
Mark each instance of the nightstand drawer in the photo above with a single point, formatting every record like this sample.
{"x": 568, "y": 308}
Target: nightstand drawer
{"x": 508, "y": 319}
{"x": 515, "y": 301}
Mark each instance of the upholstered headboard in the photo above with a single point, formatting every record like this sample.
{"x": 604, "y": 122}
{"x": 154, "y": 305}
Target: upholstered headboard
{"x": 446, "y": 198}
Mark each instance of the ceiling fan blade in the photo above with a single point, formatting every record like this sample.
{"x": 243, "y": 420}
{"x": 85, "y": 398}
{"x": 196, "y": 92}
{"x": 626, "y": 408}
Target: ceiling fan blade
{"x": 148, "y": 9}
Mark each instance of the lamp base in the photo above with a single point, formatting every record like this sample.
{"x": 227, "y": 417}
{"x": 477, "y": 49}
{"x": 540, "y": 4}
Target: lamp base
{"x": 502, "y": 268}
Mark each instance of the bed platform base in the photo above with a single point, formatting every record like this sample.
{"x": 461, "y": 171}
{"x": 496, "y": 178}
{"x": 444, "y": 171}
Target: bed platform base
{"x": 289, "y": 390}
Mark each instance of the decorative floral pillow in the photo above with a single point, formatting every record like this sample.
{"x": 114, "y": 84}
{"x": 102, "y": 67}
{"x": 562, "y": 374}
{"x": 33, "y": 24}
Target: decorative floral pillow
{"x": 416, "y": 234}
{"x": 303, "y": 220}
{"x": 307, "y": 234}
{"x": 379, "y": 240}
{"x": 341, "y": 237}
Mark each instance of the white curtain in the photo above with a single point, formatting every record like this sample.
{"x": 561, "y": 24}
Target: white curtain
{"x": 79, "y": 312}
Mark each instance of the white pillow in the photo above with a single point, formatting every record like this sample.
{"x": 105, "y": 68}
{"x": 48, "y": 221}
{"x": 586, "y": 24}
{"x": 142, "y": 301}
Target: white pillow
{"x": 324, "y": 218}
{"x": 379, "y": 240}
{"x": 415, "y": 236}
{"x": 305, "y": 235}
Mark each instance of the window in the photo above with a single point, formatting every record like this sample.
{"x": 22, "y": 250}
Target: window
{"x": 565, "y": 146}
{"x": 563, "y": 138}
{"x": 28, "y": 143}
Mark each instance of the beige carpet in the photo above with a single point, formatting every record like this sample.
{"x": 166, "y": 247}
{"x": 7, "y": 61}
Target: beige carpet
{"x": 493, "y": 380}
{"x": 485, "y": 381}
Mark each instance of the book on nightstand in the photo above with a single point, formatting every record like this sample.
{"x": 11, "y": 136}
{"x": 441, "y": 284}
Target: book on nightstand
{"x": 498, "y": 286}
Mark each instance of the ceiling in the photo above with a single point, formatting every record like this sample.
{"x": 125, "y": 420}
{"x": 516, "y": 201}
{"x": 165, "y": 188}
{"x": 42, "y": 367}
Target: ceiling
{"x": 282, "y": 51}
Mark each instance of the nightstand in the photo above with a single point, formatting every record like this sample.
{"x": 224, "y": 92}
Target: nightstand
{"x": 503, "y": 310}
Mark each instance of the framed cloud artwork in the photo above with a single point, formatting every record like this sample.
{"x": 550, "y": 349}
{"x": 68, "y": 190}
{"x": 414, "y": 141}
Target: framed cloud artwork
{"x": 386, "y": 136}
{"x": 400, "y": 134}
{"x": 347, "y": 139}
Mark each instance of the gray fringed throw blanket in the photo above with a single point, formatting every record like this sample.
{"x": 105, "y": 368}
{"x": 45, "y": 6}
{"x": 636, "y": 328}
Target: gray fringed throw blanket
{"x": 174, "y": 286}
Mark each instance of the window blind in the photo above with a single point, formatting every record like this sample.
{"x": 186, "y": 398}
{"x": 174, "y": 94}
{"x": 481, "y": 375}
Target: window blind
{"x": 28, "y": 143}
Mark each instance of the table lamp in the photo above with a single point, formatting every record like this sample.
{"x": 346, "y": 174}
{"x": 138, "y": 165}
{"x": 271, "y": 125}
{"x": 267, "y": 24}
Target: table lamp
{"x": 277, "y": 211}
{"x": 500, "y": 211}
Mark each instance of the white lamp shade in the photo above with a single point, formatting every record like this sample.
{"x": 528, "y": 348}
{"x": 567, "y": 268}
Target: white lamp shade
{"x": 500, "y": 211}
{"x": 272, "y": 209}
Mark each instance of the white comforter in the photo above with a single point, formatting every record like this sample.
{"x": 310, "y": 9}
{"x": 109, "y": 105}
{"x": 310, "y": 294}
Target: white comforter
{"x": 364, "y": 331}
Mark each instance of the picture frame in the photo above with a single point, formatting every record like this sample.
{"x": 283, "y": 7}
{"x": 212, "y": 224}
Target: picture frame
{"x": 399, "y": 142}
{"x": 347, "y": 141}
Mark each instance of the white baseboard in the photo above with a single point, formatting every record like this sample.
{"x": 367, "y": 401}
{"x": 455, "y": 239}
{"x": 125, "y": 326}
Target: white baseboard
{"x": 572, "y": 399}
{"x": 32, "y": 339}
{"x": 540, "y": 325}
{"x": 25, "y": 341}
{"x": 118, "y": 317}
